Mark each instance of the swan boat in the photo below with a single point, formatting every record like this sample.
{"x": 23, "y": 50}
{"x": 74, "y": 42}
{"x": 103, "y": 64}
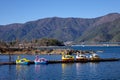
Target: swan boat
{"x": 40, "y": 60}
{"x": 81, "y": 56}
{"x": 22, "y": 61}
{"x": 94, "y": 56}
{"x": 67, "y": 57}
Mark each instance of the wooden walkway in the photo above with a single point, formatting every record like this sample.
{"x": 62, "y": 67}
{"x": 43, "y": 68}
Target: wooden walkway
{"x": 84, "y": 61}
{"x": 74, "y": 61}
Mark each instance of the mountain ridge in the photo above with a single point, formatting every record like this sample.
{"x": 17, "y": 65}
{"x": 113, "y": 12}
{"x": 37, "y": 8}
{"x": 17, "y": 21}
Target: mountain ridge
{"x": 64, "y": 29}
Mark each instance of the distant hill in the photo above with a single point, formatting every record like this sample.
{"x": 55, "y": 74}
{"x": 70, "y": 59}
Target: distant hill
{"x": 101, "y": 29}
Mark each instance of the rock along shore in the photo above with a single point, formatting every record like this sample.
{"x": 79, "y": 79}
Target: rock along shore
{"x": 41, "y": 50}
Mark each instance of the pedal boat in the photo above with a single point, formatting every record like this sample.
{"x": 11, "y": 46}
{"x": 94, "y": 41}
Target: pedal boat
{"x": 94, "y": 56}
{"x": 40, "y": 60}
{"x": 24, "y": 61}
{"x": 81, "y": 56}
{"x": 67, "y": 58}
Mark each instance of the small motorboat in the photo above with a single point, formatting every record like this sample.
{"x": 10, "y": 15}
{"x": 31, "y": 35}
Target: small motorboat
{"x": 67, "y": 57}
{"x": 94, "y": 56}
{"x": 81, "y": 56}
{"x": 22, "y": 61}
{"x": 40, "y": 60}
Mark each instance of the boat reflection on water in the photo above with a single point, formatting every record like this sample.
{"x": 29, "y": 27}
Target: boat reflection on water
{"x": 21, "y": 68}
{"x": 80, "y": 67}
{"x": 37, "y": 68}
{"x": 66, "y": 65}
{"x": 40, "y": 69}
{"x": 93, "y": 66}
{"x": 21, "y": 72}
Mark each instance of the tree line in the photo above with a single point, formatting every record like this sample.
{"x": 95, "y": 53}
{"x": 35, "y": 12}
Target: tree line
{"x": 33, "y": 43}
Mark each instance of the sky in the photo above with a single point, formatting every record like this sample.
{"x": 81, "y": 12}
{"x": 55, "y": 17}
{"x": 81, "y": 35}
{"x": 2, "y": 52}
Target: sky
{"x": 21, "y": 11}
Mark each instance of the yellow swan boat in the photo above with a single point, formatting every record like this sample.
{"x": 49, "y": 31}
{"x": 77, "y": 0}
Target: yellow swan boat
{"x": 22, "y": 61}
{"x": 67, "y": 58}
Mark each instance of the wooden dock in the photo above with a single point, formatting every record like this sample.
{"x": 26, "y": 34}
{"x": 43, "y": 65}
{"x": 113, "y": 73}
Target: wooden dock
{"x": 84, "y": 61}
{"x": 7, "y": 63}
{"x": 60, "y": 61}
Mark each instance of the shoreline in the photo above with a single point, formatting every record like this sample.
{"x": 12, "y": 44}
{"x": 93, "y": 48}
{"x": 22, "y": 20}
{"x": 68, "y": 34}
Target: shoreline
{"x": 101, "y": 45}
{"x": 45, "y": 50}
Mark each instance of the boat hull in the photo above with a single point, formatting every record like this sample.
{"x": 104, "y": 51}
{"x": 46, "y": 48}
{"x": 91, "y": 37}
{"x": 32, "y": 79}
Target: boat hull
{"x": 45, "y": 62}
{"x": 23, "y": 63}
{"x": 84, "y": 59}
{"x": 95, "y": 58}
{"x": 67, "y": 59}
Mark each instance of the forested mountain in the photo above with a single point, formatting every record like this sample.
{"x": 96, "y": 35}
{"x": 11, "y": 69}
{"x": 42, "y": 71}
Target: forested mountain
{"x": 101, "y": 29}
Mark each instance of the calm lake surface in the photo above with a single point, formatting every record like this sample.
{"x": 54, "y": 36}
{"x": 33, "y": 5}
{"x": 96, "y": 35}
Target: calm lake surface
{"x": 65, "y": 71}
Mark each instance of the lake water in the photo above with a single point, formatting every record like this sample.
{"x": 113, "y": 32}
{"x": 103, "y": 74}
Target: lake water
{"x": 65, "y": 71}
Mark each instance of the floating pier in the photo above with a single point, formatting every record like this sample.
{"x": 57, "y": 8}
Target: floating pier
{"x": 84, "y": 61}
{"x": 60, "y": 61}
{"x": 7, "y": 63}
